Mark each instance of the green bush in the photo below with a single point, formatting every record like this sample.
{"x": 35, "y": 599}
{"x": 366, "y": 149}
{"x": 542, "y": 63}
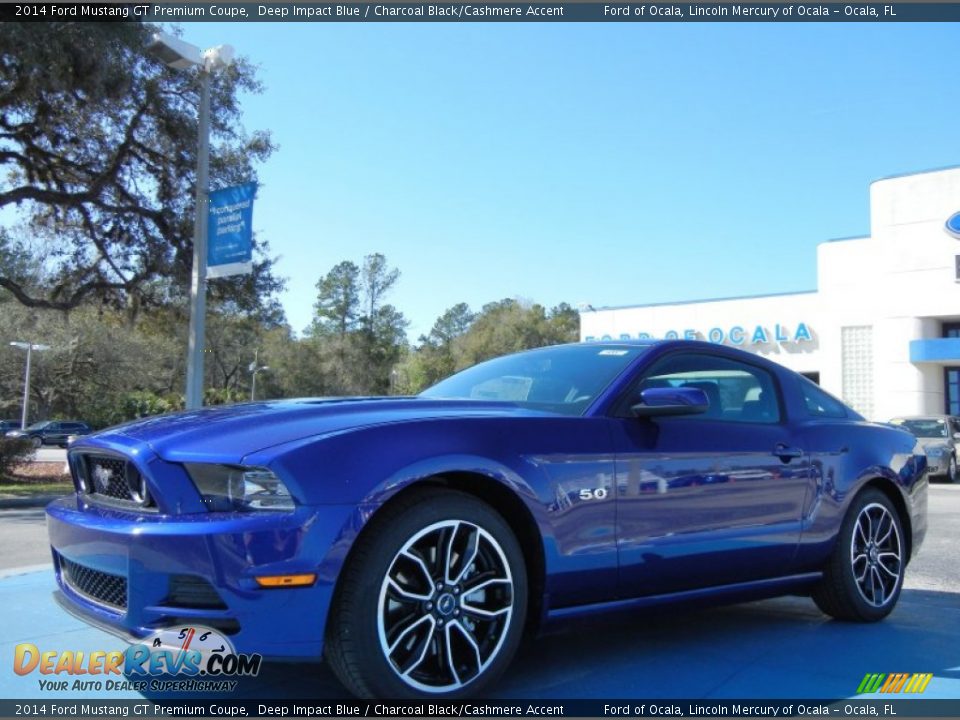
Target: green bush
{"x": 13, "y": 451}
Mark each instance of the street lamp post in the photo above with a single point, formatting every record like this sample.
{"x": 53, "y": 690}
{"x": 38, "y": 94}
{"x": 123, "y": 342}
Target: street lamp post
{"x": 180, "y": 55}
{"x": 255, "y": 368}
{"x": 29, "y": 347}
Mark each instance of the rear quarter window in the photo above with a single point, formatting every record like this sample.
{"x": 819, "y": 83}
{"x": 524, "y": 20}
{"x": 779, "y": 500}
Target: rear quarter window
{"x": 820, "y": 404}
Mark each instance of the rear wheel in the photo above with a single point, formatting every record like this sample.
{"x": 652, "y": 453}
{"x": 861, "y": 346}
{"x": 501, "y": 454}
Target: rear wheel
{"x": 863, "y": 579}
{"x": 433, "y": 601}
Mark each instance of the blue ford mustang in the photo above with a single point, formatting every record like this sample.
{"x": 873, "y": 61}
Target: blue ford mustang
{"x": 411, "y": 541}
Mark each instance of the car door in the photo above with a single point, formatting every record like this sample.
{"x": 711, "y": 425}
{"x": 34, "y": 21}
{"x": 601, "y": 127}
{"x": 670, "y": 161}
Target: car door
{"x": 713, "y": 498}
{"x": 49, "y": 432}
{"x": 56, "y": 433}
{"x": 66, "y": 430}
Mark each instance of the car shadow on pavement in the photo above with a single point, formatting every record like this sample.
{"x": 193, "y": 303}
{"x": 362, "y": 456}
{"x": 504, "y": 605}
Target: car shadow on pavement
{"x": 782, "y": 648}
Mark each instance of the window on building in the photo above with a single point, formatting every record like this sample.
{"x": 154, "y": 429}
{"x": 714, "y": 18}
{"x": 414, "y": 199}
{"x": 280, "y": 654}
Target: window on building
{"x": 856, "y": 351}
{"x": 951, "y": 330}
{"x": 951, "y": 385}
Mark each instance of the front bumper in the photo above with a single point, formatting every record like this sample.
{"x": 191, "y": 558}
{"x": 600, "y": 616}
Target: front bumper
{"x": 126, "y": 571}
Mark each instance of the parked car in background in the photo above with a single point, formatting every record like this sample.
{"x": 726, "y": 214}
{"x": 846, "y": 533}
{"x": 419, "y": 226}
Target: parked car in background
{"x": 939, "y": 435}
{"x": 52, "y": 432}
{"x": 421, "y": 536}
{"x": 8, "y": 425}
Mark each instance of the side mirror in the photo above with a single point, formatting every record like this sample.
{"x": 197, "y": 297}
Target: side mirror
{"x": 671, "y": 401}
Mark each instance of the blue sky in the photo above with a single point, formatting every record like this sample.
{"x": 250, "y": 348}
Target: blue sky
{"x": 611, "y": 164}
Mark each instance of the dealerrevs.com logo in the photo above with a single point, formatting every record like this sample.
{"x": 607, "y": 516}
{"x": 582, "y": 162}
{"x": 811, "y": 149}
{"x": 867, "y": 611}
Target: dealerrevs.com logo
{"x": 179, "y": 659}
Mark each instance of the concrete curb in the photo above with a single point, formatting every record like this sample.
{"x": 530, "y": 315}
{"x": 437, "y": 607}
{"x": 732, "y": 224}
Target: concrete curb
{"x": 31, "y": 501}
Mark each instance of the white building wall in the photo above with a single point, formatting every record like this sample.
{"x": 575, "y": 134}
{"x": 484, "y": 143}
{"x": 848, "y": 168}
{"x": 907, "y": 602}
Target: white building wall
{"x": 900, "y": 281}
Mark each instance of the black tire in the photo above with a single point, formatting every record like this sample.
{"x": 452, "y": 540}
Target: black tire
{"x": 863, "y": 578}
{"x": 952, "y": 469}
{"x": 36, "y": 442}
{"x": 393, "y": 634}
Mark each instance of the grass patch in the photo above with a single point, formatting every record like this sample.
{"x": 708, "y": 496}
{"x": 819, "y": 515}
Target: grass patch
{"x": 36, "y": 478}
{"x": 21, "y": 489}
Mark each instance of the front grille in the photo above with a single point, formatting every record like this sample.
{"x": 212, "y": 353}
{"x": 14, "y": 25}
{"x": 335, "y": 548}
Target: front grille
{"x": 191, "y": 591}
{"x": 111, "y": 479}
{"x": 108, "y": 476}
{"x": 98, "y": 586}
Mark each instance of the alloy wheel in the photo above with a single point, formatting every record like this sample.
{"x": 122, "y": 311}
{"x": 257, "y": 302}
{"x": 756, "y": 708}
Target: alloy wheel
{"x": 445, "y": 606}
{"x": 876, "y": 555}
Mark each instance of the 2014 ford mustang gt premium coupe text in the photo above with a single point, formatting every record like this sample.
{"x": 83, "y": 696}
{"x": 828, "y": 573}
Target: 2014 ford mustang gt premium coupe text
{"x": 409, "y": 541}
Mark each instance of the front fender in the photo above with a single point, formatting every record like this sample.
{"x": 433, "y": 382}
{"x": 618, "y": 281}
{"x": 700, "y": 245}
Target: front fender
{"x": 419, "y": 472}
{"x": 445, "y": 464}
{"x": 366, "y": 466}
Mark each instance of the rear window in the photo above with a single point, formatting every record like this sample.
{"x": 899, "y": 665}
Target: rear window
{"x": 923, "y": 427}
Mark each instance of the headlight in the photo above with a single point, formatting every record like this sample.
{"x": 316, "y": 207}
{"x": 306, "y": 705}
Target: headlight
{"x": 227, "y": 488}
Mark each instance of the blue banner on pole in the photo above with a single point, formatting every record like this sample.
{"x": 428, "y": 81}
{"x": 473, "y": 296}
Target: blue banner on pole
{"x": 230, "y": 231}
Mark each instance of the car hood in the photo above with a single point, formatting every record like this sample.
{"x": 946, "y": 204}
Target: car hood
{"x": 228, "y": 433}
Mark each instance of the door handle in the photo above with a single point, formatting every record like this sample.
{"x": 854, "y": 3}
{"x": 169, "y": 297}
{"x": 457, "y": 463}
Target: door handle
{"x": 787, "y": 453}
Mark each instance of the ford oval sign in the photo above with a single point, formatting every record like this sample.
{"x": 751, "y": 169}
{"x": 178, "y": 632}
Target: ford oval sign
{"x": 953, "y": 225}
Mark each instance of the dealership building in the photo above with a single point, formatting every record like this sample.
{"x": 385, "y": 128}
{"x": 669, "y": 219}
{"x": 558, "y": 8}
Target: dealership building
{"x": 882, "y": 329}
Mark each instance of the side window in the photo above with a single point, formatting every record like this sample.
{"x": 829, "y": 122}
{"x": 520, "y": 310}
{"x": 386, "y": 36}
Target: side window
{"x": 738, "y": 392}
{"x": 819, "y": 403}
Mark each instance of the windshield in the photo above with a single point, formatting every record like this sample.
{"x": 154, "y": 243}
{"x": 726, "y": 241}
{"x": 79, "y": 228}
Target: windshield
{"x": 39, "y": 425}
{"x": 923, "y": 428}
{"x": 563, "y": 379}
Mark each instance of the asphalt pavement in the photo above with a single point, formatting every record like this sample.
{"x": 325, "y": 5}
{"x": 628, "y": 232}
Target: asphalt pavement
{"x": 782, "y": 648}
{"x": 23, "y": 537}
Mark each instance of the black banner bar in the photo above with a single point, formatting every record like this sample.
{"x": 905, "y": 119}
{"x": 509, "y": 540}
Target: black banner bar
{"x": 484, "y": 12}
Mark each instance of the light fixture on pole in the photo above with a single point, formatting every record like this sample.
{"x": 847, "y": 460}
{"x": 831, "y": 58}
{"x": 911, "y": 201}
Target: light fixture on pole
{"x": 255, "y": 368}
{"x": 29, "y": 347}
{"x": 180, "y": 55}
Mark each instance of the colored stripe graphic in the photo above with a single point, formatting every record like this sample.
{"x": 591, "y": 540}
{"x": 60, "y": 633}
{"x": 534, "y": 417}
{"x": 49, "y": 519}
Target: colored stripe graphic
{"x": 870, "y": 680}
{"x": 894, "y": 682}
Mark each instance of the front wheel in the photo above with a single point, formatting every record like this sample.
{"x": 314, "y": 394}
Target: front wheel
{"x": 952, "y": 469}
{"x": 863, "y": 579}
{"x": 432, "y": 602}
